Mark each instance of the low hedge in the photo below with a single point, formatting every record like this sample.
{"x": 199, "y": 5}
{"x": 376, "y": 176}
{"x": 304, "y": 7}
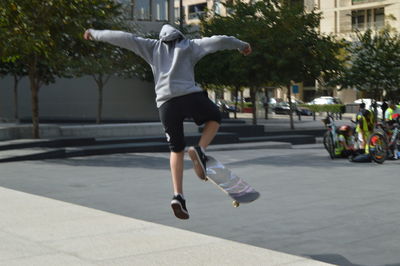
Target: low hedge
{"x": 330, "y": 108}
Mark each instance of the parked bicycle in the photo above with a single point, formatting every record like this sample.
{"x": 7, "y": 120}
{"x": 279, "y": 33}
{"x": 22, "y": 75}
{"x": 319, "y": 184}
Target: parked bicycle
{"x": 384, "y": 142}
{"x": 339, "y": 142}
{"x": 330, "y": 136}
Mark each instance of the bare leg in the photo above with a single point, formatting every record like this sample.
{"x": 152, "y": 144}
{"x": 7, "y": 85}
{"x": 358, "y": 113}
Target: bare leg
{"x": 209, "y": 132}
{"x": 176, "y": 163}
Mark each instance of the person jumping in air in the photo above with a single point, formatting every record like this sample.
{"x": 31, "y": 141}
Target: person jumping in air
{"x": 172, "y": 59}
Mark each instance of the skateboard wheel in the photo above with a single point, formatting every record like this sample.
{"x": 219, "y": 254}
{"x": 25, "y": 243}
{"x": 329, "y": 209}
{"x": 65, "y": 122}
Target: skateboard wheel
{"x": 235, "y": 204}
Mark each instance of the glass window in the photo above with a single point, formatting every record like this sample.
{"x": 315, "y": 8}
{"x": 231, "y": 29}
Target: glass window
{"x": 162, "y": 10}
{"x": 379, "y": 17}
{"x": 195, "y": 11}
{"x": 358, "y": 19}
{"x": 127, "y": 6}
{"x": 369, "y": 18}
{"x": 355, "y": 2}
{"x": 177, "y": 14}
{"x": 229, "y": 11}
{"x": 217, "y": 7}
{"x": 143, "y": 9}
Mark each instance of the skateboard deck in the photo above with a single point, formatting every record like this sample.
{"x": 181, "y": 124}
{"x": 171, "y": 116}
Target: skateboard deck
{"x": 239, "y": 190}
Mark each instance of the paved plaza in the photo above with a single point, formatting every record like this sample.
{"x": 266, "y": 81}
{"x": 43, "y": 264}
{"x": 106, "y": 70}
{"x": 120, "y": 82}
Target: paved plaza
{"x": 328, "y": 210}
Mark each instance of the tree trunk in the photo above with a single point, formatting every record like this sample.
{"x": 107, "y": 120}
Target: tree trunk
{"x": 35, "y": 111}
{"x": 241, "y": 100}
{"x": 374, "y": 105}
{"x": 99, "y": 101}
{"x": 266, "y": 104}
{"x": 34, "y": 82}
{"x": 236, "y": 102}
{"x": 253, "y": 101}
{"x": 290, "y": 106}
{"x": 16, "y": 115}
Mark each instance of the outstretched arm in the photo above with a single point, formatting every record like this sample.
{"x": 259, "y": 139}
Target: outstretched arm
{"x": 209, "y": 45}
{"x": 141, "y": 46}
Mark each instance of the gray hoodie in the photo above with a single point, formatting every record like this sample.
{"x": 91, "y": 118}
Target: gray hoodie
{"x": 172, "y": 58}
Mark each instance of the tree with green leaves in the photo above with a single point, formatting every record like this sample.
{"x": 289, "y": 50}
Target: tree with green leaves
{"x": 46, "y": 36}
{"x": 286, "y": 45}
{"x": 219, "y": 72}
{"x": 301, "y": 52}
{"x": 373, "y": 64}
{"x": 231, "y": 69}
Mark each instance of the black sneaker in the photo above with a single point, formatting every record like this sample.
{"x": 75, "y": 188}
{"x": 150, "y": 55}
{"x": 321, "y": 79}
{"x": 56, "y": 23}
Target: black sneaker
{"x": 178, "y": 205}
{"x": 199, "y": 161}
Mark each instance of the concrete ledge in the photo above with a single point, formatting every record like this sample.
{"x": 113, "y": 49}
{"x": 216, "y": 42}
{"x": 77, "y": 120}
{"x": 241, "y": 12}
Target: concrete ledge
{"x": 118, "y": 130}
{"x": 106, "y": 130}
{"x": 294, "y": 139}
{"x": 25, "y": 132}
{"x": 250, "y": 146}
{"x": 42, "y": 231}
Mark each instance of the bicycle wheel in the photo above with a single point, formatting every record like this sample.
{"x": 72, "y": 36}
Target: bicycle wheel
{"x": 329, "y": 144}
{"x": 378, "y": 147}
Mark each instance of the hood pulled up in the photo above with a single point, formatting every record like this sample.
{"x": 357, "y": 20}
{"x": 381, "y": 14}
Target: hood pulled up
{"x": 169, "y": 33}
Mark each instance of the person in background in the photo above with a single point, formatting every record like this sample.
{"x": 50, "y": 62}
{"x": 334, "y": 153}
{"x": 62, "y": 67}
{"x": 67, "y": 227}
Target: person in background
{"x": 365, "y": 122}
{"x": 345, "y": 145}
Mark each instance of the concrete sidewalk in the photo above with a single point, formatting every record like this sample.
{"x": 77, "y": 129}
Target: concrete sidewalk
{"x": 41, "y": 231}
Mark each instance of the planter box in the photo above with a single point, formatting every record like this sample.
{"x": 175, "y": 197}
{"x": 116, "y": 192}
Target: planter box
{"x": 247, "y": 110}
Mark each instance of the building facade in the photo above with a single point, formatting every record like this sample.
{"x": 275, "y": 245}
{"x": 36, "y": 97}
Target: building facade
{"x": 149, "y": 15}
{"x": 343, "y": 17}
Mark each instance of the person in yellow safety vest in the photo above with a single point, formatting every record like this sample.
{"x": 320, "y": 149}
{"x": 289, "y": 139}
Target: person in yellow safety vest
{"x": 365, "y": 126}
{"x": 345, "y": 143}
{"x": 393, "y": 109}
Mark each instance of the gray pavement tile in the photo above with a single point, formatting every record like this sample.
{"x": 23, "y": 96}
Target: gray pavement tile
{"x": 310, "y": 205}
{"x": 59, "y": 259}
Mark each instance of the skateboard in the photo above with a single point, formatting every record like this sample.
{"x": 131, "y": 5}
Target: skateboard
{"x": 228, "y": 182}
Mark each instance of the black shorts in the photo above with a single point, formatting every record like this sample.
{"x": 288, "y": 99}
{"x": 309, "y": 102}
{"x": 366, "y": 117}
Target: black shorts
{"x": 173, "y": 112}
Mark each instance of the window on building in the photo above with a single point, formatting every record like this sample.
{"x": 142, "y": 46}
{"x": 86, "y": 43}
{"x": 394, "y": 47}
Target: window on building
{"x": 355, "y": 2}
{"x": 229, "y": 10}
{"x": 379, "y": 17}
{"x": 195, "y": 11}
{"x": 217, "y": 7}
{"x": 162, "y": 10}
{"x": 143, "y": 9}
{"x": 358, "y": 19}
{"x": 368, "y": 19}
{"x": 127, "y": 6}
{"x": 177, "y": 14}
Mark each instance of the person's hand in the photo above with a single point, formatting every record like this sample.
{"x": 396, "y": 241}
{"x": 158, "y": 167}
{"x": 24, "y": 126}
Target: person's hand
{"x": 247, "y": 50}
{"x": 87, "y": 35}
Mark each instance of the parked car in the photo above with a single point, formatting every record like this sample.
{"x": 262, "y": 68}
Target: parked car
{"x": 225, "y": 106}
{"x": 303, "y": 111}
{"x": 325, "y": 100}
{"x": 281, "y": 108}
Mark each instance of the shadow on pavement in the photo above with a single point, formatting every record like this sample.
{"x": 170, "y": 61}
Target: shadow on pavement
{"x": 119, "y": 160}
{"x": 339, "y": 260}
{"x": 294, "y": 160}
